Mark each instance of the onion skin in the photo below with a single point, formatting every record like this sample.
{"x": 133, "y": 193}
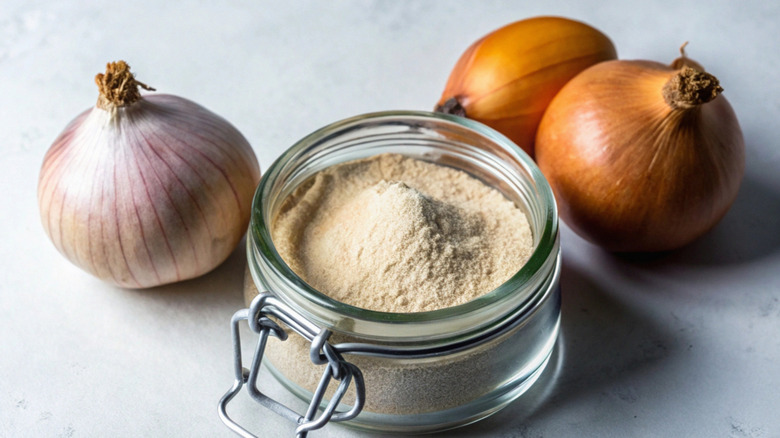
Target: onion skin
{"x": 149, "y": 193}
{"x": 507, "y": 78}
{"x": 631, "y": 172}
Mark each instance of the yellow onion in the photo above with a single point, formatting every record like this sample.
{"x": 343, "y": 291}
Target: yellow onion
{"x": 507, "y": 78}
{"x": 641, "y": 156}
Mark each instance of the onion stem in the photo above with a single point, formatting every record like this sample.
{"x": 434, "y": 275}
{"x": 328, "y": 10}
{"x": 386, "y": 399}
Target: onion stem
{"x": 118, "y": 87}
{"x": 690, "y": 88}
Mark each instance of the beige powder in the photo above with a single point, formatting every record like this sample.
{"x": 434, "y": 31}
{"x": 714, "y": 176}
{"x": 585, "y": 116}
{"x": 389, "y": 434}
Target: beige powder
{"x": 395, "y": 234}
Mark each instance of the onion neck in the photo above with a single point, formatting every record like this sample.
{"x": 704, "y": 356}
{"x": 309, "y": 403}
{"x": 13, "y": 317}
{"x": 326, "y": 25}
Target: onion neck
{"x": 689, "y": 88}
{"x": 118, "y": 87}
{"x": 451, "y": 106}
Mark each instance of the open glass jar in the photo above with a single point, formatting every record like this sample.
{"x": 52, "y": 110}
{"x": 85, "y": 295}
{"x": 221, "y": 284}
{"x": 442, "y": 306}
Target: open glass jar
{"x": 396, "y": 372}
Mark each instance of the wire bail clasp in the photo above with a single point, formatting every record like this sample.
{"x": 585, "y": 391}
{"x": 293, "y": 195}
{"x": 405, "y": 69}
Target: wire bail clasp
{"x": 320, "y": 353}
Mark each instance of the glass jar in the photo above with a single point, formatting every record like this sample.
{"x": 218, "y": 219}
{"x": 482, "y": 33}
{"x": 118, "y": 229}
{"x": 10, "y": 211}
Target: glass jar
{"x": 412, "y": 372}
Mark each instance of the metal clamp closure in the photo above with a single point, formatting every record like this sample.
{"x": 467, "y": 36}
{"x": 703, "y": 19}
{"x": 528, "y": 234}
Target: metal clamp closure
{"x": 321, "y": 353}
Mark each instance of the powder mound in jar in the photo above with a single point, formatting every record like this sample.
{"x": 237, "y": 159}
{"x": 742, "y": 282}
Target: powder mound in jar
{"x": 396, "y": 234}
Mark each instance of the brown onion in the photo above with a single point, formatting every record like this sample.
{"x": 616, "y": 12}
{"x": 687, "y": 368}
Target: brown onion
{"x": 507, "y": 78}
{"x": 641, "y": 156}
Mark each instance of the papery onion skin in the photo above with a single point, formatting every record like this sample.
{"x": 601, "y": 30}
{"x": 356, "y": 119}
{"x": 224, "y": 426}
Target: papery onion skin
{"x": 150, "y": 193}
{"x": 631, "y": 172}
{"x": 507, "y": 78}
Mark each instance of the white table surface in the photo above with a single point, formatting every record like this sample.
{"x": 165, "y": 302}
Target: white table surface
{"x": 684, "y": 344}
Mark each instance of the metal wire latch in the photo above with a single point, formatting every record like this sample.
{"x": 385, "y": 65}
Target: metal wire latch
{"x": 321, "y": 353}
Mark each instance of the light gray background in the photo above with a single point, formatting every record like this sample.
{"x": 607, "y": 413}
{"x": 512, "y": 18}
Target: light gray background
{"x": 685, "y": 344}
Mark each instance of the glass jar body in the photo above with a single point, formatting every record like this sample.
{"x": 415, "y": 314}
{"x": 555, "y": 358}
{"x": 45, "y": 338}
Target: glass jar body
{"x": 480, "y": 355}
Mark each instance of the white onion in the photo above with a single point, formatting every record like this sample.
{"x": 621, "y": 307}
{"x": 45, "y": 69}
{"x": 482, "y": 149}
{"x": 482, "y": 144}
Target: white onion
{"x": 147, "y": 190}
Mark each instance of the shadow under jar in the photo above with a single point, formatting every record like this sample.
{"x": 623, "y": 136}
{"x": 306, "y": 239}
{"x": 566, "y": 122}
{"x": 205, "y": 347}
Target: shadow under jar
{"x": 425, "y": 371}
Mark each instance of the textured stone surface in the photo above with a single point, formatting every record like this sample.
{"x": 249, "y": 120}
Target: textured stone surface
{"x": 684, "y": 344}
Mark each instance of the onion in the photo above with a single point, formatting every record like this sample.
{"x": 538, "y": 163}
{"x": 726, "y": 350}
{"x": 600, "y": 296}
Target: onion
{"x": 507, "y": 78}
{"x": 144, "y": 191}
{"x": 641, "y": 156}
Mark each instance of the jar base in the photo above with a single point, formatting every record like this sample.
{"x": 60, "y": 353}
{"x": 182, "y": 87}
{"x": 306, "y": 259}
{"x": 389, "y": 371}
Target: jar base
{"x": 438, "y": 421}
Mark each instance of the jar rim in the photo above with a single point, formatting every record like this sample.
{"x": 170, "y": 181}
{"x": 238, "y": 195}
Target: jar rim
{"x": 259, "y": 236}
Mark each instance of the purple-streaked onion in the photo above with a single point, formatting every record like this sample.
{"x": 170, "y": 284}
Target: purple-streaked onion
{"x": 144, "y": 191}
